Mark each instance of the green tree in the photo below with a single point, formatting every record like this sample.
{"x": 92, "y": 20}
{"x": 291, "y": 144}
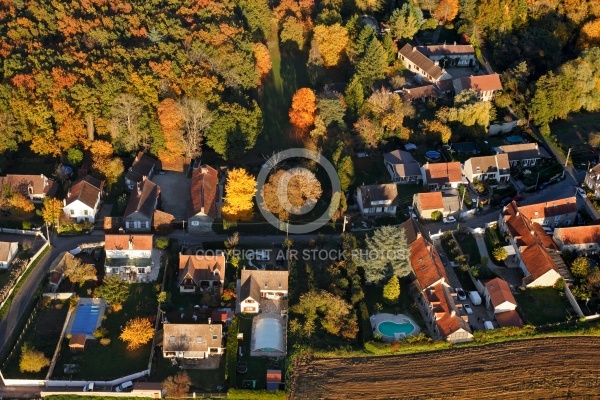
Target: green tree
{"x": 354, "y": 96}
{"x": 373, "y": 64}
{"x": 74, "y": 156}
{"x": 114, "y": 290}
{"x": 32, "y": 360}
{"x": 405, "y": 22}
{"x": 436, "y": 215}
{"x": 258, "y": 16}
{"x": 332, "y": 110}
{"x": 386, "y": 254}
{"x": 391, "y": 291}
{"x": 500, "y": 253}
{"x": 581, "y": 267}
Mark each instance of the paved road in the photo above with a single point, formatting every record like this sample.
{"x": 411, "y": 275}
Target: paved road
{"x": 25, "y": 294}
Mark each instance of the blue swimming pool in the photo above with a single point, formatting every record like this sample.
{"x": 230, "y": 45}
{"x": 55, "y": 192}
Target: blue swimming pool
{"x": 86, "y": 319}
{"x": 389, "y": 328}
{"x": 514, "y": 139}
{"x": 433, "y": 155}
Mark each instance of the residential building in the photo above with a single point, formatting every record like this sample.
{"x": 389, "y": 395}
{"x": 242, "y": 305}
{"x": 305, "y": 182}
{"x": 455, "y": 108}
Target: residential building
{"x": 192, "y": 341}
{"x": 204, "y": 193}
{"x": 441, "y": 176}
{"x": 448, "y": 55}
{"x": 561, "y": 212}
{"x": 57, "y": 270}
{"x": 141, "y": 206}
{"x": 129, "y": 256}
{"x": 484, "y": 86}
{"x": 35, "y": 187}
{"x": 419, "y": 64}
{"x": 256, "y": 285}
{"x": 8, "y": 252}
{"x": 422, "y": 93}
{"x": 163, "y": 222}
{"x": 402, "y": 167}
{"x": 592, "y": 180}
{"x": 143, "y": 167}
{"x": 485, "y": 168}
{"x": 377, "y": 199}
{"x": 445, "y": 315}
{"x": 426, "y": 204}
{"x": 83, "y": 199}
{"x": 509, "y": 318}
{"x": 585, "y": 240}
{"x": 498, "y": 296}
{"x": 198, "y": 272}
{"x": 524, "y": 154}
{"x": 534, "y": 250}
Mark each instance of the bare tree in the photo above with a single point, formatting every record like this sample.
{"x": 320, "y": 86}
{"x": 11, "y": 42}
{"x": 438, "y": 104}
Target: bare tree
{"x": 196, "y": 119}
{"x": 125, "y": 113}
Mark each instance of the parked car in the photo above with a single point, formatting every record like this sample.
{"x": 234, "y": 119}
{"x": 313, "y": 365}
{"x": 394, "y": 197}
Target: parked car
{"x": 581, "y": 192}
{"x": 475, "y": 298}
{"x": 89, "y": 387}
{"x": 462, "y": 296}
{"x": 449, "y": 220}
{"x": 543, "y": 185}
{"x": 505, "y": 201}
{"x": 468, "y": 309}
{"x": 125, "y": 387}
{"x": 97, "y": 253}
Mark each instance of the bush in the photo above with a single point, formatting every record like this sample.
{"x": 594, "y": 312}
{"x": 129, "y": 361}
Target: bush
{"x": 232, "y": 352}
{"x": 581, "y": 267}
{"x": 161, "y": 243}
{"x": 105, "y": 341}
{"x": 500, "y": 253}
{"x": 27, "y": 225}
{"x": 367, "y": 334}
{"x": 436, "y": 215}
{"x": 100, "y": 332}
{"x": 391, "y": 290}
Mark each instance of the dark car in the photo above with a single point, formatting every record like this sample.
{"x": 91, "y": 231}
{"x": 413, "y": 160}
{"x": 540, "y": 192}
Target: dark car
{"x": 543, "y": 185}
{"x": 505, "y": 201}
{"x": 97, "y": 254}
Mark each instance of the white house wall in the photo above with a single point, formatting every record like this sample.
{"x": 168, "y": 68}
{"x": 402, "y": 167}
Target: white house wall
{"x": 126, "y": 253}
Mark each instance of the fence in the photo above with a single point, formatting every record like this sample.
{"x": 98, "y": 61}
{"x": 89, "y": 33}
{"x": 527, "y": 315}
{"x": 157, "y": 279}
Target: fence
{"x": 114, "y": 382}
{"x": 505, "y": 127}
{"x": 59, "y": 296}
{"x": 22, "y": 232}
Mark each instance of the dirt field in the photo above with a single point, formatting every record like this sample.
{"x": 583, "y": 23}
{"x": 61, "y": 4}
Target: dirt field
{"x": 527, "y": 369}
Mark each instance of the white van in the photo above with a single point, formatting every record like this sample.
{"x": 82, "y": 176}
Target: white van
{"x": 89, "y": 387}
{"x": 488, "y": 325}
{"x": 475, "y": 298}
{"x": 124, "y": 387}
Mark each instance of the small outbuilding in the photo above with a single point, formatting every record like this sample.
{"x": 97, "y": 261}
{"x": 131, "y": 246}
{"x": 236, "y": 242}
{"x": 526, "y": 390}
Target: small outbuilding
{"x": 273, "y": 379}
{"x": 77, "y": 343}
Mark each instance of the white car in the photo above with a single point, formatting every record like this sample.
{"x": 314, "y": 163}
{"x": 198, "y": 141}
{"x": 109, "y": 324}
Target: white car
{"x": 468, "y": 309}
{"x": 581, "y": 192}
{"x": 449, "y": 220}
{"x": 462, "y": 296}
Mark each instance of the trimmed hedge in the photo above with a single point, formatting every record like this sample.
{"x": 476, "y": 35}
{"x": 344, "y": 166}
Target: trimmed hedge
{"x": 232, "y": 353}
{"x": 365, "y": 321}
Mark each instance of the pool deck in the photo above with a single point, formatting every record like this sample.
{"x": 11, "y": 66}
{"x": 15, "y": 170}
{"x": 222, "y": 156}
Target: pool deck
{"x": 101, "y": 303}
{"x": 397, "y": 318}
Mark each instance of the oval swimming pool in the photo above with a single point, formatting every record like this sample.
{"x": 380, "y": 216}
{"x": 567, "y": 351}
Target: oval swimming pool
{"x": 389, "y": 328}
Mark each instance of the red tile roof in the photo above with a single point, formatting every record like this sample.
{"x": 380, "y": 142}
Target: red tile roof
{"x": 202, "y": 267}
{"x": 509, "y": 318}
{"x": 39, "y": 184}
{"x": 424, "y": 63}
{"x": 430, "y": 201}
{"x": 426, "y": 263}
{"x": 481, "y": 83}
{"x": 122, "y": 242}
{"x": 203, "y": 191}
{"x": 578, "y": 234}
{"x": 141, "y": 167}
{"x": 442, "y": 173}
{"x": 537, "y": 261}
{"x": 523, "y": 230}
{"x": 143, "y": 199}
{"x": 420, "y": 92}
{"x": 499, "y": 292}
{"x": 446, "y": 314}
{"x": 86, "y": 190}
{"x": 550, "y": 209}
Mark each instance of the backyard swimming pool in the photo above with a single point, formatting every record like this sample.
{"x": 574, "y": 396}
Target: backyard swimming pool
{"x": 391, "y": 329}
{"x": 86, "y": 319}
{"x": 514, "y": 139}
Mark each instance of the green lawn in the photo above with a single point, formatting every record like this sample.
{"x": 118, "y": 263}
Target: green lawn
{"x": 406, "y": 304}
{"x": 43, "y": 334}
{"x": 574, "y": 132}
{"x": 97, "y": 362}
{"x": 257, "y": 366}
{"x": 543, "y": 306}
{"x": 203, "y": 380}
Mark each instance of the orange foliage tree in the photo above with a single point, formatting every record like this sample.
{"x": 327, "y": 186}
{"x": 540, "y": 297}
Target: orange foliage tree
{"x": 262, "y": 60}
{"x": 304, "y": 107}
{"x": 137, "y": 332}
{"x": 446, "y": 10}
{"x": 590, "y": 34}
{"x": 239, "y": 191}
{"x": 171, "y": 124}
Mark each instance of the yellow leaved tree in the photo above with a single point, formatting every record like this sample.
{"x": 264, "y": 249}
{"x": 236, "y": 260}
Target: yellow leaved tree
{"x": 239, "y": 192}
{"x": 137, "y": 332}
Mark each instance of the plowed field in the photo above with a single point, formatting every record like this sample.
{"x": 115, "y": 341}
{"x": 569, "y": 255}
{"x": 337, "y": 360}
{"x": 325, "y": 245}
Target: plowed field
{"x": 525, "y": 369}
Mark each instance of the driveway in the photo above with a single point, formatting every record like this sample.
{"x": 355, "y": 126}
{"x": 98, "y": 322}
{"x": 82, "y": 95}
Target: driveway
{"x": 174, "y": 193}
